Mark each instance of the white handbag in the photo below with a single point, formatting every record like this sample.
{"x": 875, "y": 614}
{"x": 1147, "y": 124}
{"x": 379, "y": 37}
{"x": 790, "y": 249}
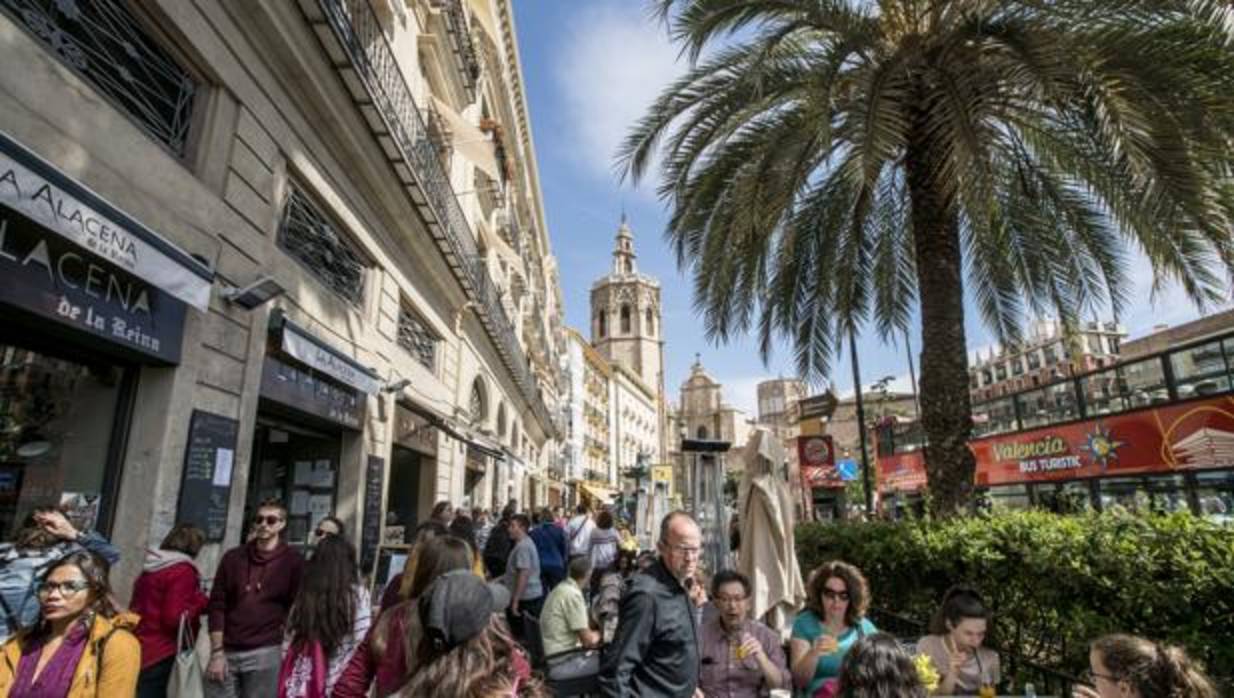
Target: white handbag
{"x": 186, "y": 679}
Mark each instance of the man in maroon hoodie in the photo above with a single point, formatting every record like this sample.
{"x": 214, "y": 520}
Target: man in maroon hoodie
{"x": 252, "y": 595}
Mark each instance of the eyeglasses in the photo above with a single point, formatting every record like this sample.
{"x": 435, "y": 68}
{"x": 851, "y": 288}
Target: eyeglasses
{"x": 70, "y": 588}
{"x": 1091, "y": 676}
{"x": 687, "y": 551}
{"x": 833, "y": 595}
{"x": 267, "y": 520}
{"x": 725, "y": 599}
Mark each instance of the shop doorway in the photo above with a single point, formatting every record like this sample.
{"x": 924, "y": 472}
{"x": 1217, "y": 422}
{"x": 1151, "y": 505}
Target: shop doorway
{"x": 298, "y": 466}
{"x": 403, "y": 496}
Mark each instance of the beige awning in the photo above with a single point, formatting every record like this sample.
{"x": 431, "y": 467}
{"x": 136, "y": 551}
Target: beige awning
{"x": 474, "y": 145}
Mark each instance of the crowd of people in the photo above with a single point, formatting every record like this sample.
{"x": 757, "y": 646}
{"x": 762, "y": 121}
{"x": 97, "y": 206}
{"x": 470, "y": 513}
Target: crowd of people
{"x": 506, "y": 606}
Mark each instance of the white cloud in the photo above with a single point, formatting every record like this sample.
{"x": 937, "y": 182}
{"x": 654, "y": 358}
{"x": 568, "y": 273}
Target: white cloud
{"x": 614, "y": 63}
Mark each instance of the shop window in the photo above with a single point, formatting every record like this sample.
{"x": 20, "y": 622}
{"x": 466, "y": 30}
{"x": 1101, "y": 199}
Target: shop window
{"x": 625, "y": 319}
{"x": 415, "y": 336}
{"x": 298, "y": 467}
{"x": 106, "y": 45}
{"x": 58, "y": 421}
{"x": 307, "y": 234}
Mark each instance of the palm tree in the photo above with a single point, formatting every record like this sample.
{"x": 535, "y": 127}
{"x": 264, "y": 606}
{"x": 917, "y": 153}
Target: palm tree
{"x": 829, "y": 163}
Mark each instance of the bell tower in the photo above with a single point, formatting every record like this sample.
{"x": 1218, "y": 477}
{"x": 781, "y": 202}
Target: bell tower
{"x": 625, "y": 315}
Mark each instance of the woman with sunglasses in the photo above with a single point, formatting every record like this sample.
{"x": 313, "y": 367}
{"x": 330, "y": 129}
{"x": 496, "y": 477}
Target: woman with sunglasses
{"x": 836, "y": 601}
{"x": 80, "y": 646}
{"x": 954, "y": 645}
{"x": 329, "y": 526}
{"x": 1126, "y": 666}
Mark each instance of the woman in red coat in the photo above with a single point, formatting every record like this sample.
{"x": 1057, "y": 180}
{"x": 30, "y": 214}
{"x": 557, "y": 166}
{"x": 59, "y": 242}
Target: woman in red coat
{"x": 169, "y": 587}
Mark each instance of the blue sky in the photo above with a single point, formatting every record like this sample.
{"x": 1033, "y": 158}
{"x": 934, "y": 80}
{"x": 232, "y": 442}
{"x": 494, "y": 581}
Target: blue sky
{"x": 590, "y": 69}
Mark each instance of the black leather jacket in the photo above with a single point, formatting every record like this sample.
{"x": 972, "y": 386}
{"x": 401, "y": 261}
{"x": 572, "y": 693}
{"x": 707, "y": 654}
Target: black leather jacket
{"x": 655, "y": 651}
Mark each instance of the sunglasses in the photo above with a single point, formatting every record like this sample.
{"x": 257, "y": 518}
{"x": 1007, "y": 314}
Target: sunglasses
{"x": 322, "y": 533}
{"x": 834, "y": 595}
{"x": 268, "y": 520}
{"x": 65, "y": 588}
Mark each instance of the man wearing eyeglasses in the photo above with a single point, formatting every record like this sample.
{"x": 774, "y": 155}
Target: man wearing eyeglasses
{"x": 249, "y": 602}
{"x": 742, "y": 658}
{"x": 655, "y": 651}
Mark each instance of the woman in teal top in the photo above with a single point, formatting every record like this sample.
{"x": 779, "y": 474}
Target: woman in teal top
{"x": 834, "y": 619}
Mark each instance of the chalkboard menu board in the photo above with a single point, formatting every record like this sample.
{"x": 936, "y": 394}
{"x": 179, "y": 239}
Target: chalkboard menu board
{"x": 205, "y": 484}
{"x": 370, "y": 531}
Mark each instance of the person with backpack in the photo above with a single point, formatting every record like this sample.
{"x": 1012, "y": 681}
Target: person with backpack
{"x": 167, "y": 596}
{"x": 80, "y": 645}
{"x": 45, "y": 536}
{"x": 497, "y": 549}
{"x": 328, "y": 620}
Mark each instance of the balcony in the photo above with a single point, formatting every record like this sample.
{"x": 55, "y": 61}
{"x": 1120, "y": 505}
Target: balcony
{"x": 466, "y": 58}
{"x": 354, "y": 42}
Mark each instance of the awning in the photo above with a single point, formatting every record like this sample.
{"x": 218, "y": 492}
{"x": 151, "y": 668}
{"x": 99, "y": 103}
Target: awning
{"x": 38, "y": 190}
{"x": 441, "y": 423}
{"x": 472, "y": 143}
{"x": 597, "y": 492}
{"x": 305, "y": 347}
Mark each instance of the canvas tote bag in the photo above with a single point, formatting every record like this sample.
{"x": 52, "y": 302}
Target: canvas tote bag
{"x": 185, "y": 681}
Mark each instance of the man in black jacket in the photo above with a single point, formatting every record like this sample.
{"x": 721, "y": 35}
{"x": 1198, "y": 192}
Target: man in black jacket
{"x": 655, "y": 651}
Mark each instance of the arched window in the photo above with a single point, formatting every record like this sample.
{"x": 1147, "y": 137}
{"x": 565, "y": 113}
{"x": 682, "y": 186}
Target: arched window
{"x": 477, "y": 406}
{"x": 702, "y": 432}
{"x": 650, "y": 322}
{"x": 501, "y": 420}
{"x": 625, "y": 319}
{"x": 602, "y": 323}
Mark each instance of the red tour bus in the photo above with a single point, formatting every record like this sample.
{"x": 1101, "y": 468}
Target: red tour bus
{"x": 1156, "y": 432}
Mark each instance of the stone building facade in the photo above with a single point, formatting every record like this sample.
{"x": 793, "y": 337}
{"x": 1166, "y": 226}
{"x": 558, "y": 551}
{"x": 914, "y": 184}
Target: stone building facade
{"x": 1049, "y": 351}
{"x": 293, "y": 250}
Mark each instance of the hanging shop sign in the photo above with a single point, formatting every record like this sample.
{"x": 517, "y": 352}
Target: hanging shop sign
{"x": 34, "y": 188}
{"x": 817, "y": 459}
{"x": 302, "y": 346}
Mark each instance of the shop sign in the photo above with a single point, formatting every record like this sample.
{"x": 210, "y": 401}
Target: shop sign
{"x": 316, "y": 354}
{"x": 905, "y": 472}
{"x": 1192, "y": 435}
{"x": 50, "y": 277}
{"x": 306, "y": 392}
{"x": 414, "y": 432}
{"x": 37, "y": 190}
{"x": 817, "y": 459}
{"x": 662, "y": 473}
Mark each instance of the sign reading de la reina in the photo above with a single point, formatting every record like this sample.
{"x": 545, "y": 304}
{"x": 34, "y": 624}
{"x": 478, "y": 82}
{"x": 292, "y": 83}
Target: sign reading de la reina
{"x": 68, "y": 256}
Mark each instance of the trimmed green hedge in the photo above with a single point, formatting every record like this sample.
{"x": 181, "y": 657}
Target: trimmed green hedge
{"x": 1054, "y": 582}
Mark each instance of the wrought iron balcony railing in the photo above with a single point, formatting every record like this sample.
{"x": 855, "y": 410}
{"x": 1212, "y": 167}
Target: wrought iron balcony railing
{"x": 464, "y": 46}
{"x": 357, "y": 45}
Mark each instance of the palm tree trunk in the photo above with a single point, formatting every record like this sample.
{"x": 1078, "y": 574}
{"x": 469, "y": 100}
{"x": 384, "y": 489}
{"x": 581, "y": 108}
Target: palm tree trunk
{"x": 945, "y": 409}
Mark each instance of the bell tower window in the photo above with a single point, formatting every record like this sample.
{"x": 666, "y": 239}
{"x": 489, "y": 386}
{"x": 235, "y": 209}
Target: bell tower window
{"x": 650, "y": 322}
{"x": 602, "y": 323}
{"x": 625, "y": 319}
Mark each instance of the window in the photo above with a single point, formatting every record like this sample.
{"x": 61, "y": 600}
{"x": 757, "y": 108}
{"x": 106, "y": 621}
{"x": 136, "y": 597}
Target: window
{"x": 1145, "y": 381}
{"x": 1000, "y": 372}
{"x": 1017, "y": 367}
{"x": 1103, "y": 393}
{"x": 501, "y": 420}
{"x": 1051, "y": 354}
{"x": 1034, "y": 361}
{"x": 1200, "y": 370}
{"x": 702, "y": 432}
{"x": 1114, "y": 345}
{"x": 1034, "y": 407}
{"x": 625, "y": 319}
{"x": 650, "y": 321}
{"x": 994, "y": 417}
{"x": 107, "y": 46}
{"x": 986, "y": 377}
{"x": 415, "y": 336}
{"x": 602, "y": 323}
{"x": 308, "y": 235}
{"x": 477, "y": 406}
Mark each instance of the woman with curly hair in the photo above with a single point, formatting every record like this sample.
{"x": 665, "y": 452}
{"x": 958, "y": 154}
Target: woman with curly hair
{"x": 834, "y": 619}
{"x": 877, "y": 667}
{"x": 328, "y": 619}
{"x": 467, "y": 651}
{"x": 1126, "y": 666}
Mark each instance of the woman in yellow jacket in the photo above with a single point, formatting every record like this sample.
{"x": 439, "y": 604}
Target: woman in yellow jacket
{"x": 81, "y": 647}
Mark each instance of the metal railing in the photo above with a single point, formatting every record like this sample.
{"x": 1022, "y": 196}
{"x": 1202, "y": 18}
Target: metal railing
{"x": 464, "y": 44}
{"x": 362, "y": 40}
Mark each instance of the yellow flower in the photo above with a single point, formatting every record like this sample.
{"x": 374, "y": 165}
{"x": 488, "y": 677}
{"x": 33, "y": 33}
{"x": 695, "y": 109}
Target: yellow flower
{"x": 926, "y": 672}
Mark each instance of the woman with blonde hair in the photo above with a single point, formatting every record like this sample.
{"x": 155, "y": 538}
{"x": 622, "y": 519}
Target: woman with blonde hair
{"x": 1126, "y": 666}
